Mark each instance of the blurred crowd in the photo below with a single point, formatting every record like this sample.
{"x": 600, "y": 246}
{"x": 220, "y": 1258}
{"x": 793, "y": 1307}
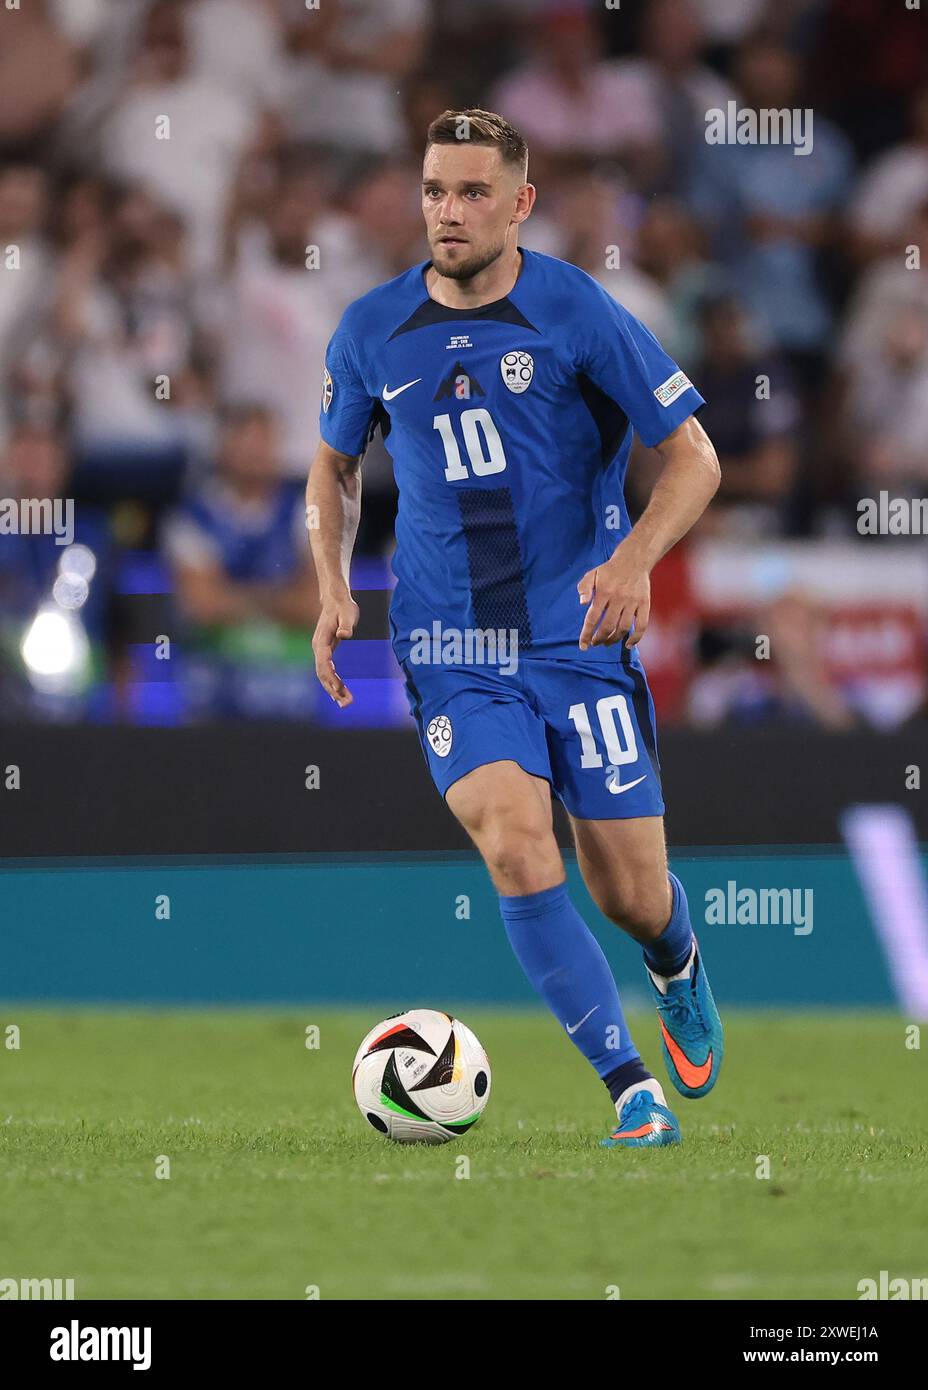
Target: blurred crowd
{"x": 165, "y": 302}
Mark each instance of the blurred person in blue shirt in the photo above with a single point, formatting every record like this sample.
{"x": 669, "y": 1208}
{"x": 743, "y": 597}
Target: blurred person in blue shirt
{"x": 772, "y": 210}
{"x": 795, "y": 687}
{"x": 244, "y": 580}
{"x": 753, "y": 415}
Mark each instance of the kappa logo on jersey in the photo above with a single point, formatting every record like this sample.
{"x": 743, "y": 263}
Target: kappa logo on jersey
{"x": 517, "y": 370}
{"x": 673, "y": 387}
{"x": 328, "y": 388}
{"x": 439, "y": 735}
{"x": 459, "y": 385}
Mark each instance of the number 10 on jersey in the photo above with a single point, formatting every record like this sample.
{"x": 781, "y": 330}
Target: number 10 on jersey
{"x": 484, "y": 447}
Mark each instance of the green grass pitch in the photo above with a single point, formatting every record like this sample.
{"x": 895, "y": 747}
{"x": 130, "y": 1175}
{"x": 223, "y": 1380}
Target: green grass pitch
{"x": 277, "y": 1184}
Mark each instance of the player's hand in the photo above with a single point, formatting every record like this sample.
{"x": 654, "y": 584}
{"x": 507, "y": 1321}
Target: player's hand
{"x": 619, "y": 595}
{"x": 338, "y": 620}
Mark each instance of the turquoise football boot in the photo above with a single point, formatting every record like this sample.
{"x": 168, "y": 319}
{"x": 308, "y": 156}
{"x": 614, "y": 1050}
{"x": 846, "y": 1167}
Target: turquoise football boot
{"x": 691, "y": 1030}
{"x": 643, "y": 1122}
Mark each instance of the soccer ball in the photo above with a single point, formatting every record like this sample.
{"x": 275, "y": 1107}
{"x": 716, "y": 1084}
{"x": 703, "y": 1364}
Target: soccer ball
{"x": 421, "y": 1077}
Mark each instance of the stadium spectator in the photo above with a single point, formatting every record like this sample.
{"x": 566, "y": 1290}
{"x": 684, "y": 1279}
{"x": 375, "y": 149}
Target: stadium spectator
{"x": 886, "y": 286}
{"x": 124, "y": 318}
{"x": 670, "y": 250}
{"x": 727, "y": 22}
{"x": 210, "y": 126}
{"x": 382, "y": 198}
{"x": 677, "y": 87}
{"x": 884, "y": 413}
{"x": 244, "y": 579}
{"x": 341, "y": 84}
{"x": 39, "y": 71}
{"x": 424, "y": 94}
{"x": 595, "y": 217}
{"x": 892, "y": 189}
{"x": 567, "y": 99}
{"x": 751, "y": 414}
{"x": 773, "y": 211}
{"x": 865, "y": 61}
{"x": 24, "y": 283}
{"x": 239, "y": 45}
{"x": 793, "y": 685}
{"x": 294, "y": 277}
{"x": 472, "y": 46}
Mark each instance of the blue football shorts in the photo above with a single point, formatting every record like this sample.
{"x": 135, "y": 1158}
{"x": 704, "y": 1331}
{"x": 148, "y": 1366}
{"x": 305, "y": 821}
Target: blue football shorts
{"x": 585, "y": 726}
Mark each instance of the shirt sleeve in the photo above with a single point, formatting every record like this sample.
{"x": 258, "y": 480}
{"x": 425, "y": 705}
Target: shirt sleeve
{"x": 347, "y": 411}
{"x": 625, "y": 360}
{"x": 185, "y": 543}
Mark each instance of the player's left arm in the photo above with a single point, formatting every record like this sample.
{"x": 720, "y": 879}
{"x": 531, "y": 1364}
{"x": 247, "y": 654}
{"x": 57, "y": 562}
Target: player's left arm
{"x": 619, "y": 591}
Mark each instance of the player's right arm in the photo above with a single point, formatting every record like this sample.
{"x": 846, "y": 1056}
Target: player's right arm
{"x": 333, "y": 496}
{"x": 333, "y": 510}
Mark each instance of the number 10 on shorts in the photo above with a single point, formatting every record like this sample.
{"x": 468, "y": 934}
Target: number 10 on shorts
{"x": 618, "y": 734}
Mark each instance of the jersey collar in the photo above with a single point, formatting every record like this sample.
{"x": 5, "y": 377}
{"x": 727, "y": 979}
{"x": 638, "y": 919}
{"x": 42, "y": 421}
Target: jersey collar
{"x": 488, "y": 310}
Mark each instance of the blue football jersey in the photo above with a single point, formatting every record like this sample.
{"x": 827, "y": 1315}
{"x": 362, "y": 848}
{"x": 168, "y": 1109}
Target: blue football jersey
{"x": 509, "y": 426}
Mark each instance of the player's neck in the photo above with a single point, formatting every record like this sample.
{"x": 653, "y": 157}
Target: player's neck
{"x": 491, "y": 284}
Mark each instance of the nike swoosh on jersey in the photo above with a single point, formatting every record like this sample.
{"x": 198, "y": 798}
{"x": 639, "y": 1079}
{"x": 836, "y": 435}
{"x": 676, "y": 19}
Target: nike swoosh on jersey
{"x": 616, "y": 789}
{"x": 388, "y": 394}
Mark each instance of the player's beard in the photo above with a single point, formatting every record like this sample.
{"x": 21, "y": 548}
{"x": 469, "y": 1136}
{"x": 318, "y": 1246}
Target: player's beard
{"x": 467, "y": 269}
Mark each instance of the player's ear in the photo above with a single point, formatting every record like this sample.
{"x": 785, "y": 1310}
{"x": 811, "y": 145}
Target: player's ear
{"x": 525, "y": 201}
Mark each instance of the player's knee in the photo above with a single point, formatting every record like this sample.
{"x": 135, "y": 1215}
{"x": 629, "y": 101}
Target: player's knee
{"x": 521, "y": 861}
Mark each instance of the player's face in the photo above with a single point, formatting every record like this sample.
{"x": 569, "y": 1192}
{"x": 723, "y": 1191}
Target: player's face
{"x": 470, "y": 199}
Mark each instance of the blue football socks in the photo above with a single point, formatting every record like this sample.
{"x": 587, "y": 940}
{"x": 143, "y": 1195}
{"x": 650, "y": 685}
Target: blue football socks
{"x": 668, "y": 954}
{"x": 565, "y": 964}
